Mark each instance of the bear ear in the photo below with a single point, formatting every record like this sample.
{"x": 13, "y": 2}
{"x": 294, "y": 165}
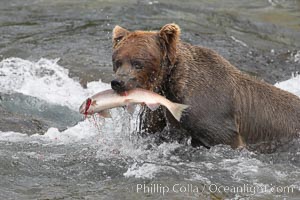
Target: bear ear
{"x": 169, "y": 36}
{"x": 118, "y": 34}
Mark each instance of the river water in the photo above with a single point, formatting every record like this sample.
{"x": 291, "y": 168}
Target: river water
{"x": 54, "y": 54}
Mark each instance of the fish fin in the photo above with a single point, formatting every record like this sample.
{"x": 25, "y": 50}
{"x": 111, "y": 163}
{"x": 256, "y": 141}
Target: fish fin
{"x": 130, "y": 108}
{"x": 105, "y": 114}
{"x": 153, "y": 106}
{"x": 176, "y": 109}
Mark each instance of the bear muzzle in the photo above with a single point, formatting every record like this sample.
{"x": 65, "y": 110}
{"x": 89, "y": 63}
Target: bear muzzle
{"x": 120, "y": 86}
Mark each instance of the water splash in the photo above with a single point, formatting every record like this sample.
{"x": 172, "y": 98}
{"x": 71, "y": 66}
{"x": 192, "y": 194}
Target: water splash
{"x": 292, "y": 85}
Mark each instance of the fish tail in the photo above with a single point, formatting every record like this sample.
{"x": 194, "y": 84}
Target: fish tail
{"x": 176, "y": 109}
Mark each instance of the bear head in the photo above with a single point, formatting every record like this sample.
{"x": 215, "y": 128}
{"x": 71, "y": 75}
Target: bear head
{"x": 140, "y": 57}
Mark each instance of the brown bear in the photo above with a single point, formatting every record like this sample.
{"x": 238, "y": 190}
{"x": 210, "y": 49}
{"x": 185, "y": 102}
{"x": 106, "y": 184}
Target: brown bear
{"x": 226, "y": 106}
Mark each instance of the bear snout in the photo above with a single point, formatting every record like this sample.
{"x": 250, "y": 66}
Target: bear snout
{"x": 118, "y": 85}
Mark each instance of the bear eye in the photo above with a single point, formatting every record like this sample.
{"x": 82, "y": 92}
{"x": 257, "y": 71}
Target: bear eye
{"x": 118, "y": 39}
{"x": 137, "y": 65}
{"x": 117, "y": 64}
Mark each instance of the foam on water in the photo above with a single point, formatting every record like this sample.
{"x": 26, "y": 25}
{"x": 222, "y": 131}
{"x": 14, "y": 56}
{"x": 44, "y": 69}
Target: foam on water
{"x": 46, "y": 80}
{"x": 292, "y": 85}
{"x": 147, "y": 170}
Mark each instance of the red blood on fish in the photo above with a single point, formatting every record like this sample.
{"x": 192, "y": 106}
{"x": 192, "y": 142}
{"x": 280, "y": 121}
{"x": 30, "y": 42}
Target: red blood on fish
{"x": 87, "y": 106}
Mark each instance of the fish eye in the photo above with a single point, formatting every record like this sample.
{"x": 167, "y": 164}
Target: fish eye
{"x": 137, "y": 65}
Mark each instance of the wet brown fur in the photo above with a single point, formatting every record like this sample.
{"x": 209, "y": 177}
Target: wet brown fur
{"x": 226, "y": 106}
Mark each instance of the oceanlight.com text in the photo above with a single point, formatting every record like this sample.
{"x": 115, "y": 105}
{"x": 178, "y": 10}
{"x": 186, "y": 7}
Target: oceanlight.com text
{"x": 163, "y": 189}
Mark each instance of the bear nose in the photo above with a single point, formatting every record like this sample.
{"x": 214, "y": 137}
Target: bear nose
{"x": 117, "y": 85}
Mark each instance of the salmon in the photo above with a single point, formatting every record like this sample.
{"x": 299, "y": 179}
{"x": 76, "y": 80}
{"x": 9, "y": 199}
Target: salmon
{"x": 105, "y": 100}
